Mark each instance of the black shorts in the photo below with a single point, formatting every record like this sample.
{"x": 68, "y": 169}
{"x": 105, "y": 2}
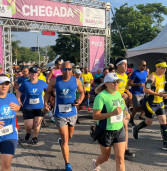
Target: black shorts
{"x": 32, "y": 113}
{"x": 87, "y": 93}
{"x": 154, "y": 108}
{"x": 108, "y": 138}
{"x": 8, "y": 146}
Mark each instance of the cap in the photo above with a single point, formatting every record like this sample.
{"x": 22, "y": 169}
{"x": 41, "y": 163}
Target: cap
{"x": 78, "y": 71}
{"x": 111, "y": 77}
{"x": 4, "y": 79}
{"x": 33, "y": 69}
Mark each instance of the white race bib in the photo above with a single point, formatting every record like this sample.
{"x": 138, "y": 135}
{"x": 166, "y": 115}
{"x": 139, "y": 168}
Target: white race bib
{"x": 117, "y": 118}
{"x": 161, "y": 91}
{"x": 65, "y": 108}
{"x": 6, "y": 130}
{"x": 87, "y": 85}
{"x": 34, "y": 101}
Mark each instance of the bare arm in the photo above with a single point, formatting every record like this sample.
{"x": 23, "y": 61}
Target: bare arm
{"x": 132, "y": 84}
{"x": 48, "y": 93}
{"x": 98, "y": 116}
{"x": 18, "y": 95}
{"x": 50, "y": 76}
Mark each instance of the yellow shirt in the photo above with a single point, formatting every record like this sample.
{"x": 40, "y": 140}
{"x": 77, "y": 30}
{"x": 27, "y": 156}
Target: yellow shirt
{"x": 87, "y": 78}
{"x": 122, "y": 84}
{"x": 42, "y": 77}
{"x": 159, "y": 87}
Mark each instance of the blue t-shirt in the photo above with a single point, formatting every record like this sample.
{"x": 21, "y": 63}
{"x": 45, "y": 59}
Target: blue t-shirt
{"x": 138, "y": 77}
{"x": 65, "y": 95}
{"x": 8, "y": 116}
{"x": 21, "y": 80}
{"x": 33, "y": 94}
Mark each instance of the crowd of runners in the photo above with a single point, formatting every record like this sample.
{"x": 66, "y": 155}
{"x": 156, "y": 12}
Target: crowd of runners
{"x": 117, "y": 93}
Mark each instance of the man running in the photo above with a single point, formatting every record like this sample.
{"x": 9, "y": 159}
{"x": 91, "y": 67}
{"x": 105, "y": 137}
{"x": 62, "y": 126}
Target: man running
{"x": 87, "y": 80}
{"x": 121, "y": 64}
{"x": 137, "y": 81}
{"x": 154, "y": 88}
{"x": 65, "y": 109}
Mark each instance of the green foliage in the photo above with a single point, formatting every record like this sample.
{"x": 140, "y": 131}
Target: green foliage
{"x": 68, "y": 47}
{"x": 26, "y": 55}
{"x": 137, "y": 26}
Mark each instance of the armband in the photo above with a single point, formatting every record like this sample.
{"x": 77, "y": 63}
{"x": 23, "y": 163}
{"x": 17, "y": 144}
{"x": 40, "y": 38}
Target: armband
{"x": 148, "y": 84}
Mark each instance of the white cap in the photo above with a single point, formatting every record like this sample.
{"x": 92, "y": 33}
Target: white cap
{"x": 4, "y": 79}
{"x": 78, "y": 71}
{"x": 112, "y": 77}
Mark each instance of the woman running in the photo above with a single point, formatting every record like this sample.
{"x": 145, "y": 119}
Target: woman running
{"x": 32, "y": 105}
{"x": 108, "y": 110}
{"x": 8, "y": 131}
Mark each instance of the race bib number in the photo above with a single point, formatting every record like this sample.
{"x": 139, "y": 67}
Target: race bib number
{"x": 65, "y": 108}
{"x": 161, "y": 91}
{"x": 87, "y": 85}
{"x": 34, "y": 101}
{"x": 6, "y": 130}
{"x": 117, "y": 118}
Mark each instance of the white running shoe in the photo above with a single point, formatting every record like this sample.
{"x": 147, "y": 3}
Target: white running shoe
{"x": 95, "y": 168}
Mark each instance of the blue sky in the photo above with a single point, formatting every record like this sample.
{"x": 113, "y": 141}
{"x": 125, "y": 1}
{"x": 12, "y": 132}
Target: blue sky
{"x": 30, "y": 39}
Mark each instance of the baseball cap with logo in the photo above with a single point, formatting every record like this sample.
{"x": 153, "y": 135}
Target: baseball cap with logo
{"x": 33, "y": 70}
{"x": 112, "y": 77}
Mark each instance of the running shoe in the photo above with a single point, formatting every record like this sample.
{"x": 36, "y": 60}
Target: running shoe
{"x": 95, "y": 168}
{"x": 68, "y": 167}
{"x": 52, "y": 119}
{"x": 83, "y": 107}
{"x": 25, "y": 139}
{"x": 89, "y": 109}
{"x": 34, "y": 141}
{"x": 131, "y": 123}
{"x": 164, "y": 147}
{"x": 129, "y": 154}
{"x": 135, "y": 132}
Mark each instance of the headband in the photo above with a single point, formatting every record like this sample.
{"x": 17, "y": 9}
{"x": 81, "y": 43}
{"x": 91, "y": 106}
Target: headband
{"x": 163, "y": 64}
{"x": 120, "y": 62}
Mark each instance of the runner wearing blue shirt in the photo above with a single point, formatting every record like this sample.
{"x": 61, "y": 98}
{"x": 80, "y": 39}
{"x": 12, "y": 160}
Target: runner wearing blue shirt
{"x": 22, "y": 79}
{"x": 65, "y": 108}
{"x": 137, "y": 81}
{"x": 8, "y": 131}
{"x": 33, "y": 104}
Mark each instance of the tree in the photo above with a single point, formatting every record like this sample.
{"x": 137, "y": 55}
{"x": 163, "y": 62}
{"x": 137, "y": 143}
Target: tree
{"x": 68, "y": 47}
{"x": 15, "y": 47}
{"x": 136, "y": 26}
{"x": 26, "y": 55}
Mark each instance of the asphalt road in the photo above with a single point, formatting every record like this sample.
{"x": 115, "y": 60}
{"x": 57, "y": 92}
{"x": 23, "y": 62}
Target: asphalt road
{"x": 46, "y": 155}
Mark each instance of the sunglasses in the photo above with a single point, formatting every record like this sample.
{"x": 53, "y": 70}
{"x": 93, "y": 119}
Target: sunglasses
{"x": 65, "y": 69}
{"x": 143, "y": 65}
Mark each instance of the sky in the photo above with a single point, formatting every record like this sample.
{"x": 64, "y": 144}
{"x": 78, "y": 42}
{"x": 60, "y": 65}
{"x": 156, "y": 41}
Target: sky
{"x": 30, "y": 39}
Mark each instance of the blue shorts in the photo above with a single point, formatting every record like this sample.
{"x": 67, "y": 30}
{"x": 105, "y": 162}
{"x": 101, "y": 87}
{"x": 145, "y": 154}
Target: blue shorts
{"x": 8, "y": 146}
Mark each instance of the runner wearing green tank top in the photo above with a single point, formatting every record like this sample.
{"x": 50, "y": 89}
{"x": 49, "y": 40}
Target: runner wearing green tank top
{"x": 109, "y": 110}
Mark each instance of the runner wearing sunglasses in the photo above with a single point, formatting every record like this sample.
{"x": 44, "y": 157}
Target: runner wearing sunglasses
{"x": 65, "y": 108}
